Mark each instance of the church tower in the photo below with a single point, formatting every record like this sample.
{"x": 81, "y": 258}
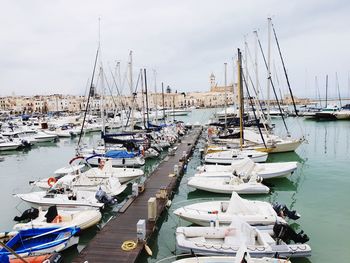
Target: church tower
{"x": 212, "y": 81}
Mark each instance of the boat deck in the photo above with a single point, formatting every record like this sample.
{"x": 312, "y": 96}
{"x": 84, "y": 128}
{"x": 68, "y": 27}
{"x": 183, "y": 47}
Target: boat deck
{"x": 106, "y": 245}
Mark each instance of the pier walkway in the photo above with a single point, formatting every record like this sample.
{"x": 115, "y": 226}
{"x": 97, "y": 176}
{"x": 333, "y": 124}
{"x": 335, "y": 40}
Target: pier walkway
{"x": 106, "y": 245}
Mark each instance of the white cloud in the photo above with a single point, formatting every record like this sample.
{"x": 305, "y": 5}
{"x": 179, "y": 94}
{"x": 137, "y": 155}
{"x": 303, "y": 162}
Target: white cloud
{"x": 49, "y": 46}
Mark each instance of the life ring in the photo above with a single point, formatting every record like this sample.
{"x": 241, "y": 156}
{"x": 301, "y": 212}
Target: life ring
{"x": 57, "y": 219}
{"x": 51, "y": 181}
{"x": 128, "y": 245}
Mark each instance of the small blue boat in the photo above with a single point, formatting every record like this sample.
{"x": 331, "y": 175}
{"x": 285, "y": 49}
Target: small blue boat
{"x": 37, "y": 241}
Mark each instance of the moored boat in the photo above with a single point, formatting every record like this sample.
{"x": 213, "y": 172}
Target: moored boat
{"x": 257, "y": 213}
{"x": 36, "y": 241}
{"x": 227, "y": 240}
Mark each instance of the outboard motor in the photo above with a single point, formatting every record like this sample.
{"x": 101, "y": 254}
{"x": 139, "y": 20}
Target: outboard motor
{"x": 102, "y": 197}
{"x": 283, "y": 211}
{"x": 286, "y": 233}
{"x": 28, "y": 214}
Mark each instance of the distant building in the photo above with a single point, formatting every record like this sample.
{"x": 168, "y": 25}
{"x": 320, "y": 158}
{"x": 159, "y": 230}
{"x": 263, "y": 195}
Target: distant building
{"x": 215, "y": 88}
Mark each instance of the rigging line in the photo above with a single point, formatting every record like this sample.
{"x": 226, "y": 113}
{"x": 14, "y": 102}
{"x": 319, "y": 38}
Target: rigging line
{"x": 284, "y": 69}
{"x": 87, "y": 104}
{"x": 109, "y": 88}
{"x": 258, "y": 88}
{"x": 118, "y": 92}
{"x": 262, "y": 114}
{"x": 258, "y": 102}
{"x": 251, "y": 102}
{"x": 336, "y": 77}
{"x": 273, "y": 88}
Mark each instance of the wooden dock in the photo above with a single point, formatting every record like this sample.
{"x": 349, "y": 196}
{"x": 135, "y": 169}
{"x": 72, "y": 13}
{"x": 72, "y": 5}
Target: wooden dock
{"x": 106, "y": 245}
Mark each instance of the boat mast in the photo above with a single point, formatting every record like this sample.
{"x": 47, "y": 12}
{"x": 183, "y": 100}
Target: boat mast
{"x": 131, "y": 91}
{"x": 144, "y": 71}
{"x": 336, "y": 79}
{"x": 225, "y": 66}
{"x": 240, "y": 98}
{"x": 102, "y": 108}
{"x": 326, "y": 89}
{"x": 143, "y": 101}
{"x": 256, "y": 65}
{"x": 284, "y": 69}
{"x": 156, "y": 95}
{"x": 163, "y": 101}
{"x": 268, "y": 67}
{"x": 88, "y": 100}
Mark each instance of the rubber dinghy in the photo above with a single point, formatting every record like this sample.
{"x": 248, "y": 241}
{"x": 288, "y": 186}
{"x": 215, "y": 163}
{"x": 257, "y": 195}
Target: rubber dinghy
{"x": 246, "y": 167}
{"x": 256, "y": 213}
{"x": 37, "y": 241}
{"x": 228, "y": 239}
{"x": 226, "y": 157}
{"x": 229, "y": 185}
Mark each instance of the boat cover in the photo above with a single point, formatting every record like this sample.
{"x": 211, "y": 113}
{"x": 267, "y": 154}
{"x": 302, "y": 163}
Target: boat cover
{"x": 119, "y": 154}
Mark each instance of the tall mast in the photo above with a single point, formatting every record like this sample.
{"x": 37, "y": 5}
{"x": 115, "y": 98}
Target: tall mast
{"x": 144, "y": 71}
{"x": 225, "y": 64}
{"x": 326, "y": 89}
{"x": 163, "y": 102}
{"x": 131, "y": 91}
{"x": 156, "y": 95}
{"x": 143, "y": 100}
{"x": 268, "y": 67}
{"x": 256, "y": 64}
{"x": 102, "y": 100}
{"x": 337, "y": 84}
{"x": 240, "y": 97}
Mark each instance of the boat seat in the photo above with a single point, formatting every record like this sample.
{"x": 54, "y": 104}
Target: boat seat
{"x": 267, "y": 238}
{"x": 197, "y": 239}
{"x": 233, "y": 240}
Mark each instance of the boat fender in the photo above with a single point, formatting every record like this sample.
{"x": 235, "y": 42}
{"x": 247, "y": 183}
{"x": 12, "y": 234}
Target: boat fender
{"x": 129, "y": 245}
{"x": 148, "y": 250}
{"x": 51, "y": 181}
{"x": 57, "y": 219}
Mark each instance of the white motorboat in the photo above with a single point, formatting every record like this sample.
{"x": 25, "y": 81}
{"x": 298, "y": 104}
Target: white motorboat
{"x": 226, "y": 157}
{"x": 256, "y": 213}
{"x": 178, "y": 112}
{"x": 229, "y": 185}
{"x": 126, "y": 161}
{"x": 110, "y": 185}
{"x": 343, "y": 113}
{"x": 151, "y": 153}
{"x": 41, "y": 136}
{"x": 228, "y": 239}
{"x": 62, "y": 218}
{"x": 95, "y": 174}
{"x": 25, "y": 138}
{"x": 67, "y": 200}
{"x": 246, "y": 167}
{"x": 7, "y": 145}
{"x": 241, "y": 256}
{"x": 227, "y": 259}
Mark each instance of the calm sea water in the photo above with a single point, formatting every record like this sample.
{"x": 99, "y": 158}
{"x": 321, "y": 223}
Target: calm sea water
{"x": 319, "y": 190}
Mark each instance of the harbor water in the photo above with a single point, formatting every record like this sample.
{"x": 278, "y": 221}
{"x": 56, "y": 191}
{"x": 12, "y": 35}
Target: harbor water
{"x": 318, "y": 190}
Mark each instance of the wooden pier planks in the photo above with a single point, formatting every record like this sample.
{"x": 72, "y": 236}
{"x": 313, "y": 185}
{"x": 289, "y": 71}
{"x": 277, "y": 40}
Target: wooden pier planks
{"x": 106, "y": 245}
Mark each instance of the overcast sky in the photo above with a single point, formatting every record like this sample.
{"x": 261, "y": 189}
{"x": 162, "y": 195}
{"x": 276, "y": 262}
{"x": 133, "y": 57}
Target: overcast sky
{"x": 49, "y": 46}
